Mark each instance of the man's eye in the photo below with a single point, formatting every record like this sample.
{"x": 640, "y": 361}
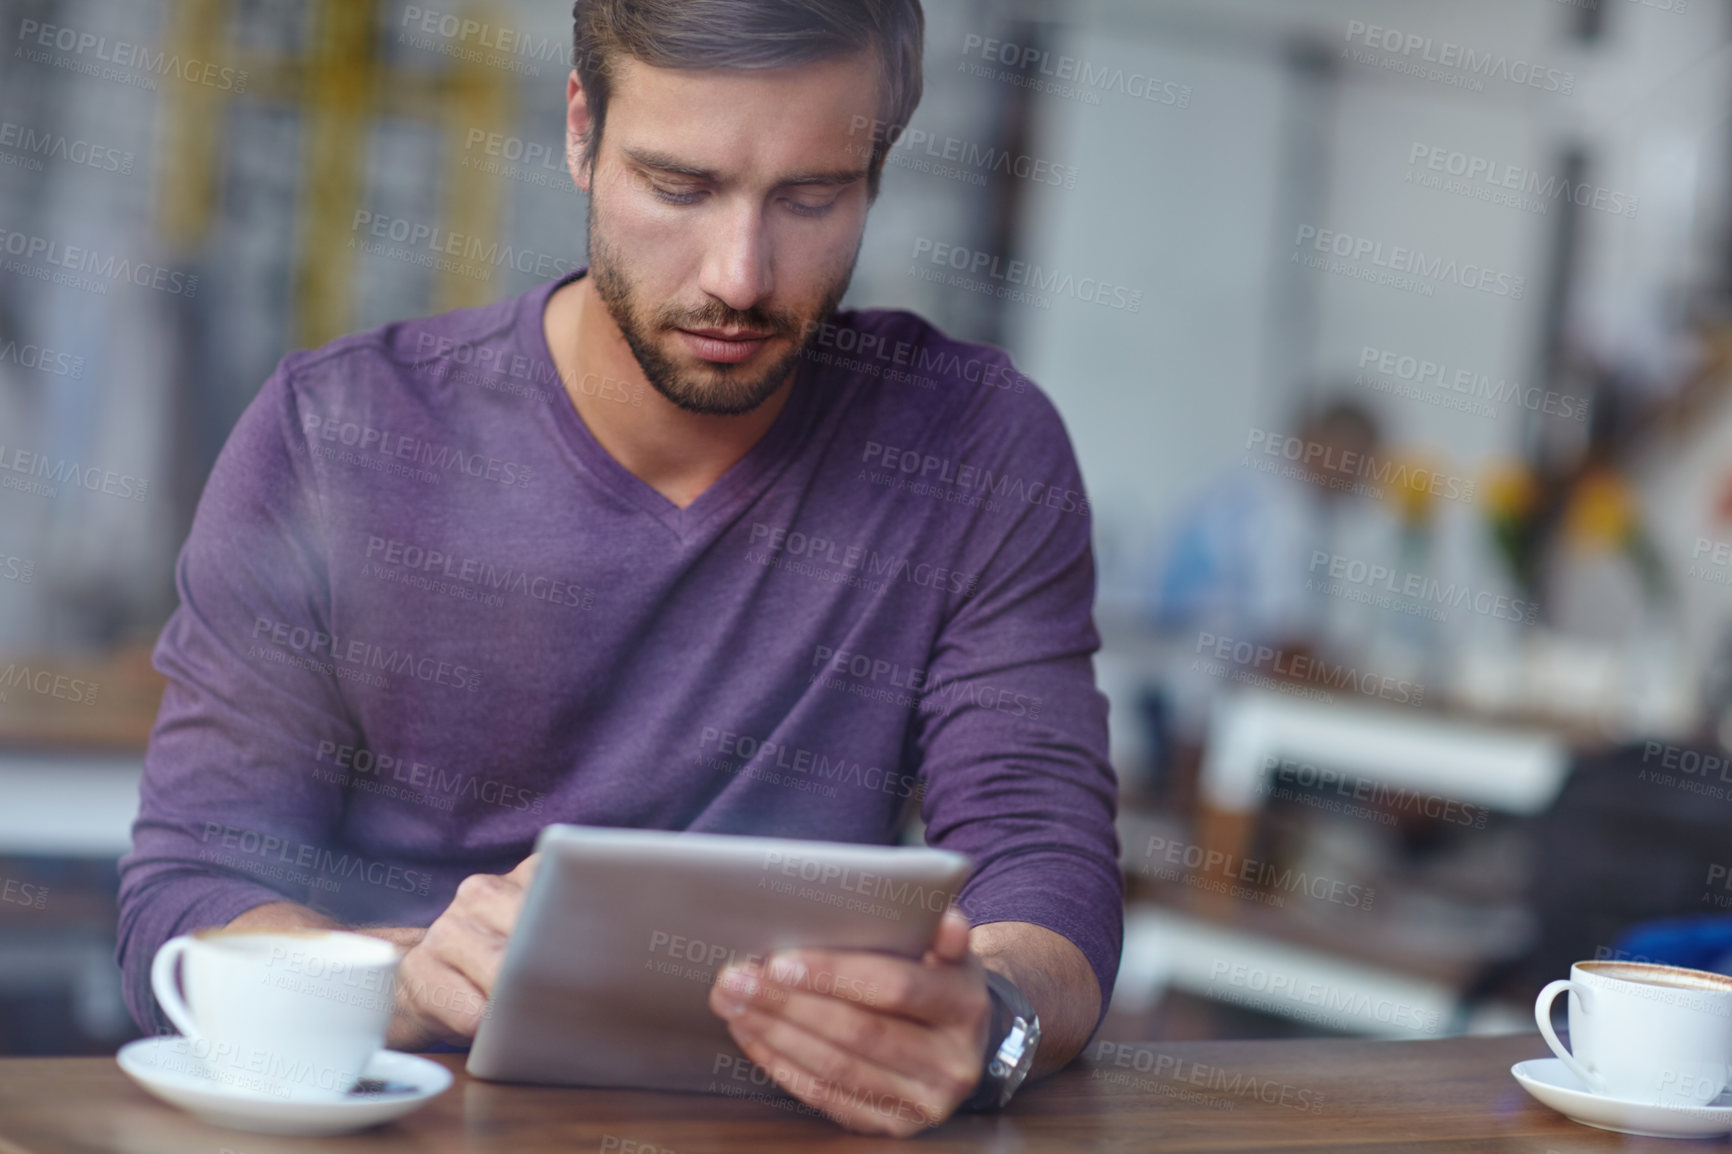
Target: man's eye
{"x": 674, "y": 196}
{"x": 805, "y": 208}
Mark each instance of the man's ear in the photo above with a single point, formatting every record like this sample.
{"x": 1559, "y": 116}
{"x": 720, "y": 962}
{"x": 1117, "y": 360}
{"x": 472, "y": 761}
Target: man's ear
{"x": 577, "y": 123}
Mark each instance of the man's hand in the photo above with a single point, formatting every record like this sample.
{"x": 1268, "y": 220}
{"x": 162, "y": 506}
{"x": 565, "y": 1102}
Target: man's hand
{"x": 444, "y": 980}
{"x": 881, "y": 1044}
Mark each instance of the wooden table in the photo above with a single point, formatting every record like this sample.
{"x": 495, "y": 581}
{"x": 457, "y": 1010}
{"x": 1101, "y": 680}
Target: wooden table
{"x": 1369, "y": 1097}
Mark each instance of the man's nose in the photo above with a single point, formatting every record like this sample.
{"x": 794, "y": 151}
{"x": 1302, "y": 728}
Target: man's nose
{"x": 737, "y": 264}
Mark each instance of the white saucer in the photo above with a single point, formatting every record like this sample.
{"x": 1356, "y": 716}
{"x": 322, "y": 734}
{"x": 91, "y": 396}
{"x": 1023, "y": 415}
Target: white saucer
{"x": 1556, "y": 1085}
{"x": 162, "y": 1067}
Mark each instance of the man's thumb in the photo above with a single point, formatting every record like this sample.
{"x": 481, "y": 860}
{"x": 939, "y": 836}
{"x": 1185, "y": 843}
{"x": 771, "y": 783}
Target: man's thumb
{"x": 951, "y": 942}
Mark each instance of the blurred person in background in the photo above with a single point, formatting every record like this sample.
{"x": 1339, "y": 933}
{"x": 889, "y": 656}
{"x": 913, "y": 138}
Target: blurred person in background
{"x": 1243, "y": 558}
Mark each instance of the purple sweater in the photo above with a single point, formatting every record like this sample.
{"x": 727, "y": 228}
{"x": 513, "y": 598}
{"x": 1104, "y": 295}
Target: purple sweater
{"x": 423, "y": 613}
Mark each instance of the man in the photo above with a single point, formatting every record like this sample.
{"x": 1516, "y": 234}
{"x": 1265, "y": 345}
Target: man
{"x": 1240, "y": 560}
{"x": 428, "y": 607}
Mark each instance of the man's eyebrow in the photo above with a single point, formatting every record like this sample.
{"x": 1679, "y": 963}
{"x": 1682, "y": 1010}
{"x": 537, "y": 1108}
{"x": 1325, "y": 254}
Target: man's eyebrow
{"x": 838, "y": 176}
{"x": 662, "y": 162}
{"x": 665, "y": 163}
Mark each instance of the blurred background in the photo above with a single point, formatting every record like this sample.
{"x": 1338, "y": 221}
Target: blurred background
{"x": 1394, "y": 339}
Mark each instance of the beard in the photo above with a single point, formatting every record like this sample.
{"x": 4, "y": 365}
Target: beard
{"x": 713, "y": 390}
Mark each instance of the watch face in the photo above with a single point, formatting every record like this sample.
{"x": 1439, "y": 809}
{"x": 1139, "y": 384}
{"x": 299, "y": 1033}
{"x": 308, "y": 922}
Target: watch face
{"x": 1009, "y": 1061}
{"x": 1029, "y": 1031}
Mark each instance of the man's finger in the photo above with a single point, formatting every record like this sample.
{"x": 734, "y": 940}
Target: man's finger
{"x": 934, "y": 993}
{"x": 868, "y": 1108}
{"x": 489, "y": 902}
{"x": 471, "y": 950}
{"x": 951, "y": 942}
{"x": 524, "y": 872}
{"x": 442, "y": 997}
{"x": 850, "y": 1070}
{"x": 828, "y": 1027}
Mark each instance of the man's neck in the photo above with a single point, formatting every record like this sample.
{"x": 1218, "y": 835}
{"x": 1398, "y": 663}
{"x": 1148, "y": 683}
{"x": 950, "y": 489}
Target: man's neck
{"x": 676, "y": 453}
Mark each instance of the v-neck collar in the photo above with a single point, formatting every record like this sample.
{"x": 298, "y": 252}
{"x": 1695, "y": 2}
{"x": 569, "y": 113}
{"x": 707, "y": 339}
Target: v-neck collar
{"x": 740, "y": 484}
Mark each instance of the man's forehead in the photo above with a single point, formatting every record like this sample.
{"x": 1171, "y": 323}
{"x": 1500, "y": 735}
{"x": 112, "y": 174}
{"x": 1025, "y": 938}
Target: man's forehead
{"x": 859, "y": 71}
{"x": 726, "y": 118}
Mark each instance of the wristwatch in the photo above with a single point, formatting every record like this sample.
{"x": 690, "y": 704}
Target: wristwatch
{"x": 1011, "y": 1040}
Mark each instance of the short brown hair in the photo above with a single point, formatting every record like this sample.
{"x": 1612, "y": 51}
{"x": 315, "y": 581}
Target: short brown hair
{"x": 752, "y": 34}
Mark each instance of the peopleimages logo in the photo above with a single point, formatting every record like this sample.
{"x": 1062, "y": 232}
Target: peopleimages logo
{"x": 779, "y": 542}
{"x": 1420, "y": 378}
{"x": 987, "y": 272}
{"x": 1166, "y": 859}
{"x": 736, "y": 750}
{"x": 901, "y": 137}
{"x": 1280, "y": 773}
{"x": 1718, "y": 555}
{"x": 528, "y": 161}
{"x": 1312, "y": 1000}
{"x": 497, "y": 368}
{"x": 436, "y": 458}
{"x": 24, "y": 894}
{"x": 881, "y": 887}
{"x": 1398, "y": 265}
{"x": 1071, "y": 76}
{"x": 37, "y": 38}
{"x": 1685, "y": 769}
{"x": 47, "y": 683}
{"x": 857, "y": 350}
{"x": 57, "y": 471}
{"x": 361, "y": 767}
{"x": 499, "y": 38}
{"x": 1296, "y": 670}
{"x": 482, "y": 574}
{"x": 1328, "y": 572}
{"x": 478, "y": 42}
{"x": 79, "y": 259}
{"x": 879, "y": 679}
{"x": 29, "y": 144}
{"x": 353, "y": 656}
{"x": 1187, "y": 1072}
{"x": 327, "y": 864}
{"x": 43, "y": 360}
{"x": 1412, "y": 53}
{"x": 964, "y": 477}
{"x": 1341, "y": 464}
{"x": 1482, "y": 179}
{"x": 469, "y": 253}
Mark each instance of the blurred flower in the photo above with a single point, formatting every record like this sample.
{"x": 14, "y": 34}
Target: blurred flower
{"x": 1601, "y": 512}
{"x": 1511, "y": 492}
{"x": 1512, "y": 496}
{"x": 1413, "y": 497}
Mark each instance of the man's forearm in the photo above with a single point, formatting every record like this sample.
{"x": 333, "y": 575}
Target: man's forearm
{"x": 1054, "y": 975}
{"x": 294, "y": 916}
{"x": 405, "y": 1031}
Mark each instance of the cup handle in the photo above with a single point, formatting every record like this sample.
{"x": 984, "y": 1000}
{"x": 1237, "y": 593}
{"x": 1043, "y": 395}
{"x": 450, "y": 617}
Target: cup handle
{"x": 1543, "y": 1016}
{"x": 167, "y": 988}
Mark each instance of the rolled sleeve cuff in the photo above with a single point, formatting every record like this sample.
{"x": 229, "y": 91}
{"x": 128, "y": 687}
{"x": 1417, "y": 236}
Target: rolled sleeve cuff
{"x": 181, "y": 908}
{"x": 1056, "y": 892}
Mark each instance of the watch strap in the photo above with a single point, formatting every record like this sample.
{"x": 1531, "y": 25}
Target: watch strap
{"x": 1012, "y": 1034}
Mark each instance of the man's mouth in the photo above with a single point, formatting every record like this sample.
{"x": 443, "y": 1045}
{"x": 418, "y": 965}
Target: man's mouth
{"x": 724, "y": 346}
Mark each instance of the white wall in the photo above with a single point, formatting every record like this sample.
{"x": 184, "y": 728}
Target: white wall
{"x": 1179, "y": 203}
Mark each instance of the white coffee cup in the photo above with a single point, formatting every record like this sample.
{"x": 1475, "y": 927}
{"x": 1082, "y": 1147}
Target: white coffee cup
{"x": 1660, "y": 1035}
{"x": 294, "y": 1014}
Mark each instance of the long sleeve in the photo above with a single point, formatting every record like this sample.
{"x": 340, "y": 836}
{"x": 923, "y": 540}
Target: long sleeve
{"x": 1012, "y": 733}
{"x": 230, "y": 811}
